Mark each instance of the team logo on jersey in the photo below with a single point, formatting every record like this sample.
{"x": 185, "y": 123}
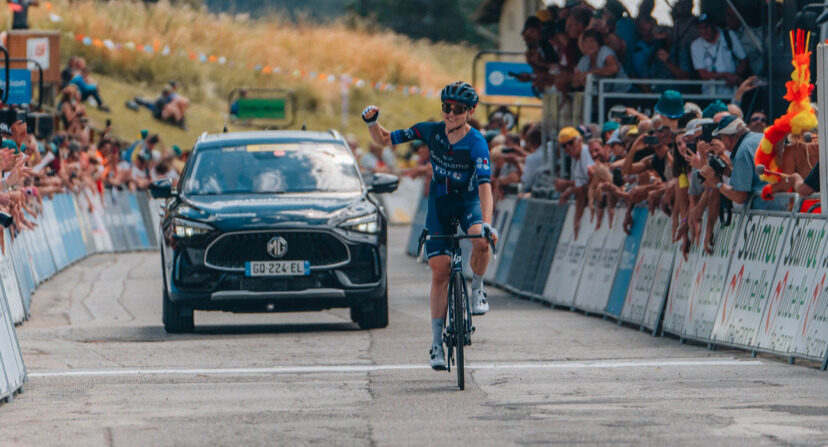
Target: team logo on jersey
{"x": 482, "y": 164}
{"x": 457, "y": 175}
{"x": 409, "y": 134}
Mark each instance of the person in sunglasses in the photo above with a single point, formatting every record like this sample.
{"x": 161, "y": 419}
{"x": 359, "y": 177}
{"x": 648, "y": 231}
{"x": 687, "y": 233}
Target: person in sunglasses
{"x": 758, "y": 122}
{"x": 460, "y": 188}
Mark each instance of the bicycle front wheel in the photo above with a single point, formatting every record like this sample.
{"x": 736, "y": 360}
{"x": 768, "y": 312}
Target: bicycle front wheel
{"x": 458, "y": 301}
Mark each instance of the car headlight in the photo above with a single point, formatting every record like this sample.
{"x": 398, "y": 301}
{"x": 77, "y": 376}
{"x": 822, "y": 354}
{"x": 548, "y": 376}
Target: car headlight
{"x": 186, "y": 229}
{"x": 363, "y": 224}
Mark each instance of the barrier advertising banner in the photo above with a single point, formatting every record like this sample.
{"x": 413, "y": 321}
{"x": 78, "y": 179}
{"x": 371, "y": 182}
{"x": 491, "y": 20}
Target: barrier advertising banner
{"x": 681, "y": 287}
{"x": 812, "y": 338}
{"x": 627, "y": 263}
{"x": 509, "y": 245}
{"x": 661, "y": 279}
{"x": 8, "y": 279}
{"x": 501, "y": 221}
{"x": 794, "y": 286}
{"x": 709, "y": 279}
{"x": 569, "y": 260}
{"x": 538, "y": 240}
{"x": 602, "y": 257}
{"x": 643, "y": 276}
{"x": 748, "y": 284}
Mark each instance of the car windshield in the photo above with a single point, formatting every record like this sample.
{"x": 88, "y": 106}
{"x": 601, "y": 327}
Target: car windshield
{"x": 273, "y": 169}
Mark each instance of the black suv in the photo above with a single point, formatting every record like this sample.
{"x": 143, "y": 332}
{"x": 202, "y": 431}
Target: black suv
{"x": 273, "y": 221}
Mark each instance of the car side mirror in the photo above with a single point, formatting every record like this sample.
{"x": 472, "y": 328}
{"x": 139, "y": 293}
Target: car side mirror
{"x": 384, "y": 183}
{"x": 161, "y": 189}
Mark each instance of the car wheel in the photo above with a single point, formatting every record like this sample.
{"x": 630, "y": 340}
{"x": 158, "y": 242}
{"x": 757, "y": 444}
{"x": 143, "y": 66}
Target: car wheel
{"x": 174, "y": 322}
{"x": 374, "y": 312}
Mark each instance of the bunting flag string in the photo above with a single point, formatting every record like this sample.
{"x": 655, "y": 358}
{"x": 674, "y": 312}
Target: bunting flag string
{"x": 156, "y": 48}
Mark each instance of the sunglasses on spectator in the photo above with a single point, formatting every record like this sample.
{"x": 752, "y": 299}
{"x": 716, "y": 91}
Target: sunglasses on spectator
{"x": 759, "y": 118}
{"x": 457, "y": 109}
{"x": 572, "y": 141}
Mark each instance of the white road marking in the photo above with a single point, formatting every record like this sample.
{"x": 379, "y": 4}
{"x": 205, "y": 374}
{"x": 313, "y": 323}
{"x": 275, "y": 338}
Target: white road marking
{"x": 588, "y": 364}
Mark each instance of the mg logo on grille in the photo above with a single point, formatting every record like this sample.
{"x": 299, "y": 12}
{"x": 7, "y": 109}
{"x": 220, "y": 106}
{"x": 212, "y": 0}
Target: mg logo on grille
{"x": 277, "y": 247}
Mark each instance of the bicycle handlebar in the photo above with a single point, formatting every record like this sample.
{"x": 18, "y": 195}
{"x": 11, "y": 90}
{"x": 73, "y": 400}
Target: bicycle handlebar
{"x": 424, "y": 236}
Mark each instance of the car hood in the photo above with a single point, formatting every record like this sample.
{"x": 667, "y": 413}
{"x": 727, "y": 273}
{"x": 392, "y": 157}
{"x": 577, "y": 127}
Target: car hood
{"x": 238, "y": 212}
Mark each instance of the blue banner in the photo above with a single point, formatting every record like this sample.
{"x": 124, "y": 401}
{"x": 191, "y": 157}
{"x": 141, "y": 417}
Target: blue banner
{"x": 21, "y": 86}
{"x": 510, "y": 245}
{"x": 625, "y": 268}
{"x": 499, "y": 82}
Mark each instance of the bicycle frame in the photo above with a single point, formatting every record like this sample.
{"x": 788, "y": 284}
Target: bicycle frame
{"x": 449, "y": 337}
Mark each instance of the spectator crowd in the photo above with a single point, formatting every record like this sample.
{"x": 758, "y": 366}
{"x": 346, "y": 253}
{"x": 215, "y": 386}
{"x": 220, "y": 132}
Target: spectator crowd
{"x": 565, "y": 44}
{"x": 75, "y": 156}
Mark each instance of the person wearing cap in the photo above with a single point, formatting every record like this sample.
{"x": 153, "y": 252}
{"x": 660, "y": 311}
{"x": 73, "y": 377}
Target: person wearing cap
{"x": 713, "y": 108}
{"x": 718, "y": 57}
{"x": 571, "y": 141}
{"x": 671, "y": 107}
{"x": 608, "y": 129}
{"x": 737, "y": 139}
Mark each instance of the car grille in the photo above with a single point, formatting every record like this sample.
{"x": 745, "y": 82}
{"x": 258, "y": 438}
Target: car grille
{"x": 233, "y": 250}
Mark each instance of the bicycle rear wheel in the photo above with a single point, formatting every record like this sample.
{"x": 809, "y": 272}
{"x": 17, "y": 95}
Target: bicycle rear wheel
{"x": 458, "y": 300}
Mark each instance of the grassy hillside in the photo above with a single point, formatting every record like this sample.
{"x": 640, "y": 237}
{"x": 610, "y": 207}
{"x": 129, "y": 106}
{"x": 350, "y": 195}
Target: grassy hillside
{"x": 334, "y": 48}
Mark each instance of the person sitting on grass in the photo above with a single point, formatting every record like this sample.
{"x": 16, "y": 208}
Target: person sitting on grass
{"x": 169, "y": 106}
{"x": 87, "y": 87}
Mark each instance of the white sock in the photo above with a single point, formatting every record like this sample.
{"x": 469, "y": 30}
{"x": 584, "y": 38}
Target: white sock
{"x": 437, "y": 331}
{"x": 477, "y": 281}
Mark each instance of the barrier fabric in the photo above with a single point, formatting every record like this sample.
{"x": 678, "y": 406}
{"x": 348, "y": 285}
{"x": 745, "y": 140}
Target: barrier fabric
{"x": 11, "y": 361}
{"x": 537, "y": 242}
{"x": 709, "y": 279}
{"x": 794, "y": 288}
{"x": 502, "y": 220}
{"x": 661, "y": 279}
{"x": 626, "y": 264}
{"x": 509, "y": 244}
{"x": 812, "y": 341}
{"x": 602, "y": 257}
{"x": 562, "y": 283}
{"x": 643, "y": 277}
{"x": 749, "y": 279}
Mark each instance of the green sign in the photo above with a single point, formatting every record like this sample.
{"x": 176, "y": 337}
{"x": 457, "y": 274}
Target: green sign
{"x": 261, "y": 108}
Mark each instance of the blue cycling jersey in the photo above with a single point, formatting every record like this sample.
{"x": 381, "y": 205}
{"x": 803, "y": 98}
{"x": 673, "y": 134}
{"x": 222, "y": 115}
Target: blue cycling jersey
{"x": 458, "y": 168}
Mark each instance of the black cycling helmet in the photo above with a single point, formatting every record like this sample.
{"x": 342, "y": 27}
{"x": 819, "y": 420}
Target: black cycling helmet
{"x": 460, "y": 92}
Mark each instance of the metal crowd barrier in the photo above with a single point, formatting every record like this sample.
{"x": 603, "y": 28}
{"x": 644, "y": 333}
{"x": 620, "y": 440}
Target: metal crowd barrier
{"x": 69, "y": 228}
{"x": 764, "y": 287}
{"x": 597, "y": 94}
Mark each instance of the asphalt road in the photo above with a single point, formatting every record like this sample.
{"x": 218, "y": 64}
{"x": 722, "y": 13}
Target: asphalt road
{"x": 104, "y": 373}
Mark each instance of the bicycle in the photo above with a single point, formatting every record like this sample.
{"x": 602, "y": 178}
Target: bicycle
{"x": 459, "y": 328}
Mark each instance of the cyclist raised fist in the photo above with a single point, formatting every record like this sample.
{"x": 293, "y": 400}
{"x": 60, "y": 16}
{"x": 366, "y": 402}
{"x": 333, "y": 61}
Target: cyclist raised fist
{"x": 460, "y": 189}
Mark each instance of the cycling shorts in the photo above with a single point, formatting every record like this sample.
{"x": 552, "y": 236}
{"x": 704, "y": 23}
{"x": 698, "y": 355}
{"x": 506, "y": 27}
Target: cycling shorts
{"x": 441, "y": 210}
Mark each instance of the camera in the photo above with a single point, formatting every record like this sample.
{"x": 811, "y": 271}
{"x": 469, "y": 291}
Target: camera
{"x": 707, "y": 132}
{"x": 628, "y": 120}
{"x": 651, "y": 139}
{"x": 719, "y": 166}
{"x": 13, "y": 115}
{"x": 6, "y": 219}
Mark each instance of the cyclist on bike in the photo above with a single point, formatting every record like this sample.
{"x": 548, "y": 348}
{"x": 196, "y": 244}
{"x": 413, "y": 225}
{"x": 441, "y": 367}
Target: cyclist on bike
{"x": 460, "y": 189}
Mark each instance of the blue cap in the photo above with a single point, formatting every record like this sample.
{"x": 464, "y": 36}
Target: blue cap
{"x": 609, "y": 126}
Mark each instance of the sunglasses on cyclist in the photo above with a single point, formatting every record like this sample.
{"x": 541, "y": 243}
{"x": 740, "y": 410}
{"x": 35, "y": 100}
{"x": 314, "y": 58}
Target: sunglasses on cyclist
{"x": 457, "y": 109}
